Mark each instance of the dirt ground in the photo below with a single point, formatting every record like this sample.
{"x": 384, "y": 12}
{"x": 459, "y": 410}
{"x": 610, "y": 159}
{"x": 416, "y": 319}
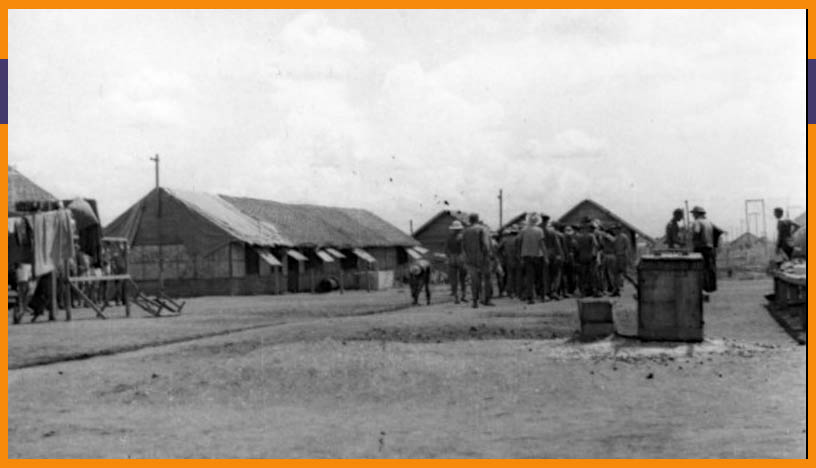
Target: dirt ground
{"x": 327, "y": 377}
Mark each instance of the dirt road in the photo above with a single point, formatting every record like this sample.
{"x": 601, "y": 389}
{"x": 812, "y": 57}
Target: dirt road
{"x": 441, "y": 381}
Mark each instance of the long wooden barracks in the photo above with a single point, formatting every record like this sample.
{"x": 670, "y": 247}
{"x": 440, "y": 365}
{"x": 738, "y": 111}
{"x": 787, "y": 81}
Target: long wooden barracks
{"x": 205, "y": 244}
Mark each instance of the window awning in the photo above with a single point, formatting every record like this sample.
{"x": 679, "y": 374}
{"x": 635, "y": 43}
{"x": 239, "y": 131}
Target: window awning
{"x": 413, "y": 253}
{"x": 324, "y": 256}
{"x": 364, "y": 255}
{"x": 335, "y": 253}
{"x": 267, "y": 256}
{"x": 421, "y": 250}
{"x": 296, "y": 255}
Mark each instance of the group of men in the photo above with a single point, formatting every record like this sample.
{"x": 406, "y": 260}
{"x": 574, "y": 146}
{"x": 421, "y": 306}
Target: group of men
{"x": 537, "y": 259}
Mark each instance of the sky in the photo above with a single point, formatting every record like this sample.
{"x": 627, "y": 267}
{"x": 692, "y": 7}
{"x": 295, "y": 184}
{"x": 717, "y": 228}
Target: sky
{"x": 406, "y": 113}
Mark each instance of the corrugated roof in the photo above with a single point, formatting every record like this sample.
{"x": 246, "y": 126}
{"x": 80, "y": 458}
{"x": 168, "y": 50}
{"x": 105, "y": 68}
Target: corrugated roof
{"x": 230, "y": 219}
{"x": 324, "y": 225}
{"x": 21, "y": 188}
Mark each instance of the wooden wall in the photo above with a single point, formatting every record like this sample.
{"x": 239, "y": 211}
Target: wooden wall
{"x": 434, "y": 236}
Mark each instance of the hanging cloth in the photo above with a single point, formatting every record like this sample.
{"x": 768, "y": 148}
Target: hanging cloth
{"x": 51, "y": 239}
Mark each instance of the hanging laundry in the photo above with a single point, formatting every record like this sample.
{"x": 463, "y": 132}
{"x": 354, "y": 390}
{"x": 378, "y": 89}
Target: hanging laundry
{"x": 51, "y": 240}
{"x": 83, "y": 214}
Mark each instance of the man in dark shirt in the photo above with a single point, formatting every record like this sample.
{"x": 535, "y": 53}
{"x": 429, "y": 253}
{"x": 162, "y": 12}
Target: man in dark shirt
{"x": 586, "y": 258}
{"x": 553, "y": 259}
{"x": 508, "y": 252}
{"x": 456, "y": 265}
{"x": 785, "y": 229}
{"x": 568, "y": 269}
{"x": 673, "y": 238}
{"x": 476, "y": 249}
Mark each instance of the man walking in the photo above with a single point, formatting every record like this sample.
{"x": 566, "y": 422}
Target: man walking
{"x": 704, "y": 237}
{"x": 456, "y": 265}
{"x": 476, "y": 249}
{"x": 532, "y": 251}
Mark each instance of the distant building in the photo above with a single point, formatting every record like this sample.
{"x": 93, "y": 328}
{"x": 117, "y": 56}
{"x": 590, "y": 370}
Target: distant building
{"x": 22, "y": 189}
{"x": 593, "y": 210}
{"x": 434, "y": 233}
{"x": 221, "y": 245}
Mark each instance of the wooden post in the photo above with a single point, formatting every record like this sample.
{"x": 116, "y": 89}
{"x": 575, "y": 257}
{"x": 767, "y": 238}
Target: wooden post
{"x": 52, "y": 307}
{"x": 22, "y": 297}
{"x": 67, "y": 293}
{"x": 342, "y": 281}
{"x": 125, "y": 298}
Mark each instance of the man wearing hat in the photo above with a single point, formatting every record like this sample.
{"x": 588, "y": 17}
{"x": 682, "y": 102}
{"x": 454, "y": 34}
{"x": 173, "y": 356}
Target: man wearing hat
{"x": 586, "y": 259}
{"x": 533, "y": 252}
{"x": 476, "y": 249}
{"x": 704, "y": 239}
{"x": 568, "y": 268}
{"x": 555, "y": 255}
{"x": 784, "y": 233}
{"x": 456, "y": 265}
{"x": 508, "y": 252}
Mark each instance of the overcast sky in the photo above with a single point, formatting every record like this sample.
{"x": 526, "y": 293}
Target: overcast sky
{"x": 400, "y": 112}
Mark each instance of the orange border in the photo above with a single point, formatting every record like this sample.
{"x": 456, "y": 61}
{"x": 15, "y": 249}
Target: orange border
{"x": 811, "y": 132}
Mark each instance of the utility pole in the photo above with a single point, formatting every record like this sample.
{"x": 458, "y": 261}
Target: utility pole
{"x": 155, "y": 159}
{"x": 411, "y": 226}
{"x": 501, "y": 208}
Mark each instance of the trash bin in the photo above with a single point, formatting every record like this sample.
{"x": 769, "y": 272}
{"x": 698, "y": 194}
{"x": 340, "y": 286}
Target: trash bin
{"x": 670, "y": 297}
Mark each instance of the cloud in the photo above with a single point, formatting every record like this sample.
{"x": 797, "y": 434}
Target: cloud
{"x": 569, "y": 144}
{"x": 151, "y": 97}
{"x": 313, "y": 31}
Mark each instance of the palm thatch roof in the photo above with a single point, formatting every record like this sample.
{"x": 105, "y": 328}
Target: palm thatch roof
{"x": 21, "y": 188}
{"x": 313, "y": 225}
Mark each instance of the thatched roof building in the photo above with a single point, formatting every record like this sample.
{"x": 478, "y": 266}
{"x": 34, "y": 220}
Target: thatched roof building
{"x": 21, "y": 188}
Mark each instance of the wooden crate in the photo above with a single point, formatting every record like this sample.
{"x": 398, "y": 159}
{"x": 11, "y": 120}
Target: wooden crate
{"x": 670, "y": 297}
{"x": 596, "y": 317}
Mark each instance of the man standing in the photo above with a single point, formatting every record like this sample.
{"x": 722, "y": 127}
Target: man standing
{"x": 784, "y": 233}
{"x": 623, "y": 257}
{"x": 510, "y": 261}
{"x": 456, "y": 265}
{"x": 554, "y": 259}
{"x": 609, "y": 261}
{"x": 532, "y": 252}
{"x": 568, "y": 271}
{"x": 476, "y": 248}
{"x": 496, "y": 267}
{"x": 704, "y": 236}
{"x": 586, "y": 251}
{"x": 673, "y": 238}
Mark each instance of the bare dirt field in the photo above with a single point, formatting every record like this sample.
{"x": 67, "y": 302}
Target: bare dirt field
{"x": 330, "y": 376}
